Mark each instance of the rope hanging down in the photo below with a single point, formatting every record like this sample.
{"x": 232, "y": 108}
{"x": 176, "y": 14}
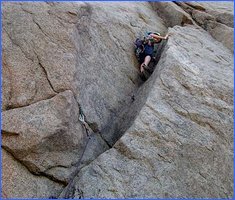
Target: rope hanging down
{"x": 77, "y": 166}
{"x": 82, "y": 120}
{"x": 67, "y": 190}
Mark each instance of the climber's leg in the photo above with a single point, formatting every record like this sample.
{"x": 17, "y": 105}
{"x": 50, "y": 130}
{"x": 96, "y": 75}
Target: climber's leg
{"x": 147, "y": 60}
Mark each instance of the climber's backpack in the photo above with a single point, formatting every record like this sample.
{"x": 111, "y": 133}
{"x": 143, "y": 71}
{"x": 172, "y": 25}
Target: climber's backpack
{"x": 139, "y": 47}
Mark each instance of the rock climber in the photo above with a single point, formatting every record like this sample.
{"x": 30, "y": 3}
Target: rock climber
{"x": 147, "y": 53}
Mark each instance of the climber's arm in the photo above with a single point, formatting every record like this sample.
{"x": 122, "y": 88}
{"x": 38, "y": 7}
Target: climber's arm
{"x": 158, "y": 36}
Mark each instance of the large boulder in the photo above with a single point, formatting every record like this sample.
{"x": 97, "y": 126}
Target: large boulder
{"x": 44, "y": 135}
{"x": 47, "y": 136}
{"x": 181, "y": 143}
{"x": 216, "y": 18}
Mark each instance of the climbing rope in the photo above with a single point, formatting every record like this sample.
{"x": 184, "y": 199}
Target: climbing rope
{"x": 82, "y": 120}
{"x": 67, "y": 190}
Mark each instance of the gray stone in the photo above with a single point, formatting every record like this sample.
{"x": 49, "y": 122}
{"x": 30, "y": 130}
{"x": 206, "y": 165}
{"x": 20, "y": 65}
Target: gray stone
{"x": 217, "y": 19}
{"x": 181, "y": 143}
{"x": 202, "y": 17}
{"x": 107, "y": 72}
{"x": 82, "y": 47}
{"x": 38, "y": 44}
{"x": 223, "y": 11}
{"x": 222, "y": 33}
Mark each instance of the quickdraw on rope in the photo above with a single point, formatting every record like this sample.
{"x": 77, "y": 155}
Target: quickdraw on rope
{"x": 78, "y": 164}
{"x": 82, "y": 120}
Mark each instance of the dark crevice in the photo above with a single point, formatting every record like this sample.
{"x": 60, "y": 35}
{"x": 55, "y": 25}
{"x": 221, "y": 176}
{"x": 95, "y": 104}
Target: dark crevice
{"x": 45, "y": 72}
{"x": 11, "y": 107}
{"x": 25, "y": 10}
{"x": 196, "y": 7}
{"x": 9, "y": 133}
{"x": 92, "y": 125}
{"x": 51, "y": 177}
{"x": 188, "y": 7}
{"x": 78, "y": 166}
{"x": 109, "y": 145}
{"x": 120, "y": 121}
{"x": 55, "y": 166}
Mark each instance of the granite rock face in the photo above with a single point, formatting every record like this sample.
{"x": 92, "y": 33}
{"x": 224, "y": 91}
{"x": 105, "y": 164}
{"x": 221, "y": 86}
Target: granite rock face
{"x": 171, "y": 136}
{"x": 181, "y": 143}
{"x": 82, "y": 47}
{"x": 57, "y": 56}
{"x": 107, "y": 73}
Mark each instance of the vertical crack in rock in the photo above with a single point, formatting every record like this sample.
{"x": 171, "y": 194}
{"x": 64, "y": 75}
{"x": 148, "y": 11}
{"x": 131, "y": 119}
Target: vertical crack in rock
{"x": 196, "y": 140}
{"x": 46, "y": 74}
{"x": 123, "y": 119}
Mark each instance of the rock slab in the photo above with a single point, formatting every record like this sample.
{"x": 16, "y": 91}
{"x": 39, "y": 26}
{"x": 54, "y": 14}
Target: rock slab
{"x": 181, "y": 143}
